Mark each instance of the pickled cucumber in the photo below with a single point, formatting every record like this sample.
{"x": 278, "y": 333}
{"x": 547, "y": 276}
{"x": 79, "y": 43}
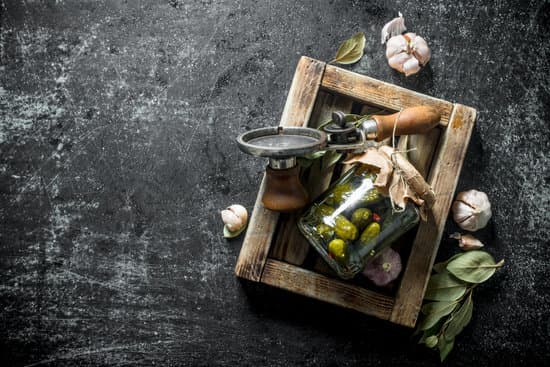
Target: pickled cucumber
{"x": 370, "y": 233}
{"x": 324, "y": 231}
{"x": 361, "y": 218}
{"x": 337, "y": 249}
{"x": 344, "y": 228}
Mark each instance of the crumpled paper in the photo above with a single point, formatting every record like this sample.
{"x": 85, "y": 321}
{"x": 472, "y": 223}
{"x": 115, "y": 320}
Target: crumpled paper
{"x": 397, "y": 178}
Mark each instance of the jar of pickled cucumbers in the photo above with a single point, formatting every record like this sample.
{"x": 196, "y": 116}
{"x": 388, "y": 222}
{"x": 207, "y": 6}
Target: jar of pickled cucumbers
{"x": 352, "y": 222}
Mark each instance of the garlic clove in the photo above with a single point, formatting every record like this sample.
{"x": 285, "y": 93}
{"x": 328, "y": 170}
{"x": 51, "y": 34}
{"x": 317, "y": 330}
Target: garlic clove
{"x": 421, "y": 50}
{"x": 396, "y": 45}
{"x": 472, "y": 210}
{"x": 397, "y": 61}
{"x": 467, "y": 242}
{"x": 234, "y": 217}
{"x": 394, "y": 27}
{"x": 411, "y": 66}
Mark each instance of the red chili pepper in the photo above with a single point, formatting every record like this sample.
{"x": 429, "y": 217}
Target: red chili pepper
{"x": 376, "y": 217}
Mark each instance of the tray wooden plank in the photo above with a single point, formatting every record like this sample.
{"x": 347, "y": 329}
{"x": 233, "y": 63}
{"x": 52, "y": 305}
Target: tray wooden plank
{"x": 299, "y": 104}
{"x": 443, "y": 180}
{"x": 375, "y": 92}
{"x": 308, "y": 283}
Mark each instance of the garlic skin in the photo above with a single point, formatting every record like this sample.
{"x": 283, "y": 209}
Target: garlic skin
{"x": 467, "y": 242}
{"x": 235, "y": 217}
{"x": 472, "y": 210}
{"x": 394, "y": 27}
{"x": 407, "y": 53}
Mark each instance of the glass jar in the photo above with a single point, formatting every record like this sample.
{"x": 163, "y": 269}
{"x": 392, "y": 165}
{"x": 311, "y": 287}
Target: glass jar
{"x": 352, "y": 222}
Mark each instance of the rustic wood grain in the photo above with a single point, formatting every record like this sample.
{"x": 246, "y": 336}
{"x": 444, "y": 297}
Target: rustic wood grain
{"x": 308, "y": 283}
{"x": 420, "y": 148}
{"x": 299, "y": 104}
{"x": 289, "y": 244}
{"x": 443, "y": 179}
{"x": 375, "y": 92}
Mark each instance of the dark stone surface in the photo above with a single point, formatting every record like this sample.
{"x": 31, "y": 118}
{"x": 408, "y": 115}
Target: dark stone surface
{"x": 117, "y": 152}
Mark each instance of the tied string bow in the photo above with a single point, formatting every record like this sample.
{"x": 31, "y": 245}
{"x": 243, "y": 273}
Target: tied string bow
{"x": 397, "y": 177}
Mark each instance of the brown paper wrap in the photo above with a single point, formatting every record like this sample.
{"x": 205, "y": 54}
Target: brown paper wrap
{"x": 397, "y": 178}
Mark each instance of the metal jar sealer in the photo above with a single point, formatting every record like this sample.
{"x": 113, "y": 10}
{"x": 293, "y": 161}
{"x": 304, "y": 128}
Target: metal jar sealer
{"x": 283, "y": 190}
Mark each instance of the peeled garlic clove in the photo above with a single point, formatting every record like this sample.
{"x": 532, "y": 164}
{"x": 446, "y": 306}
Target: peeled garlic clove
{"x": 472, "y": 210}
{"x": 234, "y": 217}
{"x": 394, "y": 27}
{"x": 467, "y": 242}
{"x": 411, "y": 66}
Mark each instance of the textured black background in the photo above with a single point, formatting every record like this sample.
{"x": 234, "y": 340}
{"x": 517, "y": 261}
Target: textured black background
{"x": 117, "y": 152}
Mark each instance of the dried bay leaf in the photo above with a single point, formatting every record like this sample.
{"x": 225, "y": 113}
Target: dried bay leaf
{"x": 442, "y": 266}
{"x": 460, "y": 319}
{"x": 444, "y": 287}
{"x": 445, "y": 346}
{"x": 434, "y": 312}
{"x": 474, "y": 266}
{"x": 351, "y": 50}
{"x": 441, "y": 306}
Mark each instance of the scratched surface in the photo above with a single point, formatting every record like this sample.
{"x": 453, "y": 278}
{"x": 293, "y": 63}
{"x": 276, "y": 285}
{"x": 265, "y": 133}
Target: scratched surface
{"x": 117, "y": 127}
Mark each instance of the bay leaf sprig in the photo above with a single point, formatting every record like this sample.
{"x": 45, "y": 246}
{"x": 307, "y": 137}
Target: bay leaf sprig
{"x": 351, "y": 50}
{"x": 450, "y": 291}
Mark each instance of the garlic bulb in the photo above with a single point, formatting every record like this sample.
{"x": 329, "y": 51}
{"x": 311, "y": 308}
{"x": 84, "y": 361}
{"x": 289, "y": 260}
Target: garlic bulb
{"x": 384, "y": 268}
{"x": 394, "y": 27}
{"x": 407, "y": 53}
{"x": 472, "y": 210}
{"x": 467, "y": 242}
{"x": 234, "y": 217}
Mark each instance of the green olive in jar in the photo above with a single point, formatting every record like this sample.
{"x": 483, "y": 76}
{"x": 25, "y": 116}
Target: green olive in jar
{"x": 324, "y": 231}
{"x": 361, "y": 218}
{"x": 337, "y": 249}
{"x": 370, "y": 233}
{"x": 344, "y": 228}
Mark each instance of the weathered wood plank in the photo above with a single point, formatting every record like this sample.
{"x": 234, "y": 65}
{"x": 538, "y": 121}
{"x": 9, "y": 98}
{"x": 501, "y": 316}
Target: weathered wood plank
{"x": 289, "y": 245}
{"x": 443, "y": 178}
{"x": 378, "y": 93}
{"x": 308, "y": 283}
{"x": 420, "y": 149}
{"x": 299, "y": 104}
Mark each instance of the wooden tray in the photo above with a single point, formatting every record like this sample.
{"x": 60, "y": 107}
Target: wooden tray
{"x": 273, "y": 250}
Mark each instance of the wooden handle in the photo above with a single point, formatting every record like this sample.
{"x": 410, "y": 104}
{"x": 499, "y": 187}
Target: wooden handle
{"x": 283, "y": 190}
{"x": 412, "y": 120}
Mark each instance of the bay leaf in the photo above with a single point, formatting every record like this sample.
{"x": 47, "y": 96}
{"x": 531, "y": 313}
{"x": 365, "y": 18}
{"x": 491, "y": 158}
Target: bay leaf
{"x": 434, "y": 330}
{"x": 440, "y": 306}
{"x": 351, "y": 50}
{"x": 432, "y": 316}
{"x": 460, "y": 319}
{"x": 474, "y": 266}
{"x": 431, "y": 341}
{"x": 330, "y": 159}
{"x": 442, "y": 266}
{"x": 304, "y": 162}
{"x": 444, "y": 287}
{"x": 445, "y": 346}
